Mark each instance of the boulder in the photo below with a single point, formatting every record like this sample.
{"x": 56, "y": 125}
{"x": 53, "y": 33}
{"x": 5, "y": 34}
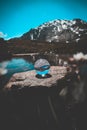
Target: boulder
{"x": 30, "y": 79}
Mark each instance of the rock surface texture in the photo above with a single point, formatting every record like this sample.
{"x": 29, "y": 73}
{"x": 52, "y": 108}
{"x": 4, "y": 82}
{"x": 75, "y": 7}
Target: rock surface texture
{"x": 29, "y": 78}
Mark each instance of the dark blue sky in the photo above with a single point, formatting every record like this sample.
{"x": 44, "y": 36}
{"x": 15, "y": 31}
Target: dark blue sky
{"x": 18, "y": 16}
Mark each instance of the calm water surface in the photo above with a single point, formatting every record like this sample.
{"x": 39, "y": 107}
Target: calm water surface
{"x": 15, "y": 65}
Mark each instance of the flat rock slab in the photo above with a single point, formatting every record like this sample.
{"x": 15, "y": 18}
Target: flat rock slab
{"x": 29, "y": 79}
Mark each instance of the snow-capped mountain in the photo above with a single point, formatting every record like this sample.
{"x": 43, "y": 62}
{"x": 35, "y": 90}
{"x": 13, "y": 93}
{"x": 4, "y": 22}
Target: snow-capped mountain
{"x": 59, "y": 31}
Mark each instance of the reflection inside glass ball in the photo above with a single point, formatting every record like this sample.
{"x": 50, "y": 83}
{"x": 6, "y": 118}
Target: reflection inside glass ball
{"x": 42, "y": 67}
{"x": 42, "y": 73}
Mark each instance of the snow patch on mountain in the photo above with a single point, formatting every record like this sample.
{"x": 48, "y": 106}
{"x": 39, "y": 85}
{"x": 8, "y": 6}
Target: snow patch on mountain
{"x": 58, "y": 31}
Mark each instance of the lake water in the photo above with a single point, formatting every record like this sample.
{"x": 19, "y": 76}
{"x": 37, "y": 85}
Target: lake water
{"x": 15, "y": 65}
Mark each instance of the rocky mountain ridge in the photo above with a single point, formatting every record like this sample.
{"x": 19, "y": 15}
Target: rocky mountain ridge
{"x": 58, "y": 31}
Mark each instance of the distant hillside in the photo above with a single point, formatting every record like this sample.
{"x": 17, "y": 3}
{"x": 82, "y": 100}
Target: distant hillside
{"x": 33, "y": 46}
{"x": 4, "y": 51}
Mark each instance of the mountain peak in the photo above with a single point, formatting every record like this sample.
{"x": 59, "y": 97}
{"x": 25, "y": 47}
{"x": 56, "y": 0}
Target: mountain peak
{"x": 58, "y": 31}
